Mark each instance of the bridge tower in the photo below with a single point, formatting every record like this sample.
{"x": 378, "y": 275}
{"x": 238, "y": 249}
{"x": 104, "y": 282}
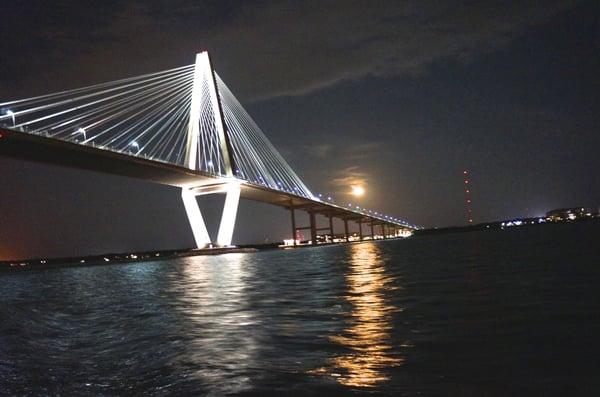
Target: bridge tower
{"x": 205, "y": 89}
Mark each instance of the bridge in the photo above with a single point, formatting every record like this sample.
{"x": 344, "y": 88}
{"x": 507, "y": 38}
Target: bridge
{"x": 181, "y": 127}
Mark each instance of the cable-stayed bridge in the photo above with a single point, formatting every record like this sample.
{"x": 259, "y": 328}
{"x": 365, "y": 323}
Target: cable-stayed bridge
{"x": 181, "y": 127}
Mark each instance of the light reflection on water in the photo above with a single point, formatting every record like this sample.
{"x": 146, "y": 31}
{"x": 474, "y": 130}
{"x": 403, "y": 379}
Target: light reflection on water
{"x": 212, "y": 300}
{"x": 368, "y": 336}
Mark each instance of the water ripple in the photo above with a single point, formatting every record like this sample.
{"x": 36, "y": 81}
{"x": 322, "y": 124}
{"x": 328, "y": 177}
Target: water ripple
{"x": 441, "y": 315}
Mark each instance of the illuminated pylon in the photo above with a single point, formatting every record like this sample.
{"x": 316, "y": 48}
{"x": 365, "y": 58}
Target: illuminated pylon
{"x": 204, "y": 79}
{"x": 203, "y": 84}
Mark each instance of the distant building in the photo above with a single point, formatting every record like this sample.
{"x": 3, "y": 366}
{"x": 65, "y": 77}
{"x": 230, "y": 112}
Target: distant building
{"x": 568, "y": 214}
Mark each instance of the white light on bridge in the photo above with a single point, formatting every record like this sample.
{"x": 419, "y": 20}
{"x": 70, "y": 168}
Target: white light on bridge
{"x": 12, "y": 115}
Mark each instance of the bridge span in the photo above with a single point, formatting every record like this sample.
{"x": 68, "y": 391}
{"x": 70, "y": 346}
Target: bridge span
{"x": 199, "y": 139}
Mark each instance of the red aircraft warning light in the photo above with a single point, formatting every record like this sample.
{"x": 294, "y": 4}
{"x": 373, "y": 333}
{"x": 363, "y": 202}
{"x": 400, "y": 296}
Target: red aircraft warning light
{"x": 468, "y": 197}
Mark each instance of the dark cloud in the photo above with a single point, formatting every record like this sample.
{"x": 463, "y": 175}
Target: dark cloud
{"x": 350, "y": 176}
{"x": 321, "y": 150}
{"x": 263, "y": 49}
{"x": 349, "y": 150}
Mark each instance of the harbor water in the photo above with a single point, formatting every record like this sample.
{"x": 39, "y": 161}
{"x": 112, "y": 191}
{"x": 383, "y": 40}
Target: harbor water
{"x": 497, "y": 313}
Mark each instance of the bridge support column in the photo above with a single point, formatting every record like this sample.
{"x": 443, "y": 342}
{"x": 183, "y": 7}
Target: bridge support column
{"x": 195, "y": 218}
{"x": 346, "y": 234}
{"x": 372, "y": 231}
{"x": 360, "y": 234}
{"x": 313, "y": 228}
{"x": 331, "y": 228}
{"x": 232, "y": 200}
{"x": 232, "y": 192}
{"x": 293, "y": 225}
{"x": 383, "y": 230}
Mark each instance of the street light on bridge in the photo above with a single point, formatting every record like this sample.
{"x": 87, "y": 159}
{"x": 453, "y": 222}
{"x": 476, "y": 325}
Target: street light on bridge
{"x": 12, "y": 115}
{"x": 82, "y": 131}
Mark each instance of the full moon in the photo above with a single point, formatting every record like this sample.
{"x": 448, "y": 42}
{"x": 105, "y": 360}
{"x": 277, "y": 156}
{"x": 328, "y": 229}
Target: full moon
{"x": 358, "y": 190}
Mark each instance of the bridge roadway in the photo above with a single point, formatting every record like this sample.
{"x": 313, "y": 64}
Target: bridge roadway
{"x": 32, "y": 147}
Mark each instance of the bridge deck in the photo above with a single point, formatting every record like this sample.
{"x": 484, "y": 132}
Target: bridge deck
{"x": 42, "y": 149}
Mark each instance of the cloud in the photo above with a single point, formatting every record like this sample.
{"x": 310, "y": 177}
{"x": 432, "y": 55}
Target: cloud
{"x": 364, "y": 151}
{"x": 263, "y": 50}
{"x": 349, "y": 176}
{"x": 312, "y": 45}
{"x": 320, "y": 151}
{"x": 349, "y": 150}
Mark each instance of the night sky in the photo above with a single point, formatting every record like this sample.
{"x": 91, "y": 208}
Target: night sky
{"x": 398, "y": 96}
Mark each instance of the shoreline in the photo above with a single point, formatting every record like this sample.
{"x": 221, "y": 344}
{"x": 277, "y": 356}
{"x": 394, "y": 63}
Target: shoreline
{"x": 115, "y": 258}
{"x": 7, "y": 266}
{"x": 17, "y": 265}
{"x": 499, "y": 225}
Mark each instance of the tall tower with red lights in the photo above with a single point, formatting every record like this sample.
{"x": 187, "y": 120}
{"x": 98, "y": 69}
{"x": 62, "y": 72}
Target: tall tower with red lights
{"x": 467, "y": 184}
